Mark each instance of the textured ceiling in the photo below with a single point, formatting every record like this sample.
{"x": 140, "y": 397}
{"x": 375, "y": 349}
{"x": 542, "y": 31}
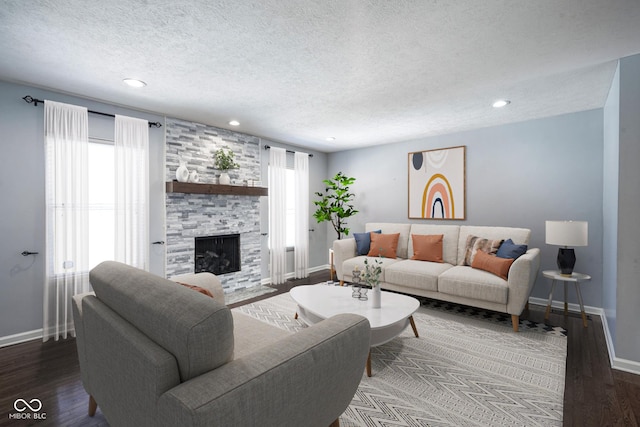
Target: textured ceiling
{"x": 365, "y": 72}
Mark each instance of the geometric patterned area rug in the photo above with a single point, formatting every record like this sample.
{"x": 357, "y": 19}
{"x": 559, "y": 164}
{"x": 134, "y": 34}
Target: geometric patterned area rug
{"x": 462, "y": 371}
{"x": 490, "y": 316}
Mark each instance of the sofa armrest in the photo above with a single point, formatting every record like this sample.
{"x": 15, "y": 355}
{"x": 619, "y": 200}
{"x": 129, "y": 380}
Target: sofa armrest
{"x": 308, "y": 378}
{"x": 343, "y": 250}
{"x": 522, "y": 276}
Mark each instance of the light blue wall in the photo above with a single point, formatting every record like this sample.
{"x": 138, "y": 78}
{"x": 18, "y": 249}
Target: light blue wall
{"x": 628, "y": 289}
{"x": 22, "y": 185}
{"x": 516, "y": 175}
{"x": 610, "y": 204}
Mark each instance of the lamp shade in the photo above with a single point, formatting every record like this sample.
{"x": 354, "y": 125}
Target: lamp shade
{"x": 567, "y": 233}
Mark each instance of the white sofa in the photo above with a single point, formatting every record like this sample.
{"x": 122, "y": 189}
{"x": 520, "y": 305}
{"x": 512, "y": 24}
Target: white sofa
{"x": 448, "y": 280}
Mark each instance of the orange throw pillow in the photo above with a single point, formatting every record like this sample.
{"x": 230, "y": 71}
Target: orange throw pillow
{"x": 384, "y": 245}
{"x": 197, "y": 289}
{"x": 491, "y": 263}
{"x": 427, "y": 247}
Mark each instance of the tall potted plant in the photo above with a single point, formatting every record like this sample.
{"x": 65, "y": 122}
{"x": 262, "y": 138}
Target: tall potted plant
{"x": 335, "y": 203}
{"x": 224, "y": 161}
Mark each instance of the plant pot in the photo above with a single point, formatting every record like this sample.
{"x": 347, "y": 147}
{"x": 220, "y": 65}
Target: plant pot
{"x": 224, "y": 179}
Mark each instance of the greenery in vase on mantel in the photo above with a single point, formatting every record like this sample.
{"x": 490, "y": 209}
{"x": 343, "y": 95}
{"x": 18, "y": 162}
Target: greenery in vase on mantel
{"x": 224, "y": 161}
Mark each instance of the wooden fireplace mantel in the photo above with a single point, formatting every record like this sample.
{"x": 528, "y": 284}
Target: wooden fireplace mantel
{"x": 197, "y": 188}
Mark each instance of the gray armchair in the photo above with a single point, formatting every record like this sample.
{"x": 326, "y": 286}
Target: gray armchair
{"x": 155, "y": 353}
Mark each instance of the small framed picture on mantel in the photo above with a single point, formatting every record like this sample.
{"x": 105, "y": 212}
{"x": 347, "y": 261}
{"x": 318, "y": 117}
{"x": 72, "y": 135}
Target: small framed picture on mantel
{"x": 437, "y": 183}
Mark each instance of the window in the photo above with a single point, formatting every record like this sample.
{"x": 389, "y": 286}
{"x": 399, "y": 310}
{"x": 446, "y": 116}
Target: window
{"x": 290, "y": 211}
{"x": 101, "y": 202}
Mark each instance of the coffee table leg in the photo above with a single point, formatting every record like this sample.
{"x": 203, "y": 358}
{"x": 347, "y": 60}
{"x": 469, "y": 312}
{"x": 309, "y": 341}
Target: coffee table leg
{"x": 369, "y": 364}
{"x": 413, "y": 326}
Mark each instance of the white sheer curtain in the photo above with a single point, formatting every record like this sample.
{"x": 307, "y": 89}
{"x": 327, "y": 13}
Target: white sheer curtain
{"x": 277, "y": 214}
{"x": 131, "y": 154}
{"x": 67, "y": 215}
{"x": 301, "y": 247}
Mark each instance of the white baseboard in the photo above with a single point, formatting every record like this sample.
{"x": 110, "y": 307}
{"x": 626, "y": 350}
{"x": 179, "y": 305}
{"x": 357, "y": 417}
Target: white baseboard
{"x": 20, "y": 338}
{"x": 267, "y": 280}
{"x": 626, "y": 365}
{"x": 615, "y": 362}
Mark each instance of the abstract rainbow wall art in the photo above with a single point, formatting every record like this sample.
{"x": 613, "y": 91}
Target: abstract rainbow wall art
{"x": 437, "y": 184}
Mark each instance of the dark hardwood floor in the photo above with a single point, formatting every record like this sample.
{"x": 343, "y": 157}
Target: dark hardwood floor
{"x": 595, "y": 394}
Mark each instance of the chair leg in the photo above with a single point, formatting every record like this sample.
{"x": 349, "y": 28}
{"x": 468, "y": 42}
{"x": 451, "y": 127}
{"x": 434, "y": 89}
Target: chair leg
{"x": 336, "y": 423}
{"x": 341, "y": 282}
{"x": 515, "y": 320}
{"x": 93, "y": 405}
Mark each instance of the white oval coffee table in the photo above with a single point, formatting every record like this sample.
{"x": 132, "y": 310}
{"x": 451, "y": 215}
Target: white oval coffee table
{"x": 319, "y": 302}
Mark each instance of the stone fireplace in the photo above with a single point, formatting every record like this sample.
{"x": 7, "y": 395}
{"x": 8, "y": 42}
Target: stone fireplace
{"x": 193, "y": 216}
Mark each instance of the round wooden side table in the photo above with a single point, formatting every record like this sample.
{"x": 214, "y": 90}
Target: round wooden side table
{"x": 575, "y": 278}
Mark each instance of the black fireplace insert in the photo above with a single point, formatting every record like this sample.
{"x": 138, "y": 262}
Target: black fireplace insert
{"x": 218, "y": 254}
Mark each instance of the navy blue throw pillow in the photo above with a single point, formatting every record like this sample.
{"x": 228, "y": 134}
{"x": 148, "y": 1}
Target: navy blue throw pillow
{"x": 363, "y": 242}
{"x": 508, "y": 249}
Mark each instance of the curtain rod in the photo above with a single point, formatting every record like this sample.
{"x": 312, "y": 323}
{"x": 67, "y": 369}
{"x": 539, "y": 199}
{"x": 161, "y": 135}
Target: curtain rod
{"x": 31, "y": 100}
{"x": 266, "y": 147}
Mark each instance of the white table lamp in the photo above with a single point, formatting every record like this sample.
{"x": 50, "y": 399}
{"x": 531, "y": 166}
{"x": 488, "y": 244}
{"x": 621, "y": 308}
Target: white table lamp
{"x": 566, "y": 233}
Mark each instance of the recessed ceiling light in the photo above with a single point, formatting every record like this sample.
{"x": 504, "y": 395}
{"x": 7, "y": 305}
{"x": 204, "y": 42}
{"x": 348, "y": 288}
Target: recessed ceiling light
{"x": 234, "y": 123}
{"x": 330, "y": 138}
{"x": 134, "y": 82}
{"x": 501, "y": 103}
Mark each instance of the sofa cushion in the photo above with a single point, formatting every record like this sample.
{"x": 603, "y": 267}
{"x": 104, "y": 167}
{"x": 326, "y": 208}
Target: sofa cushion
{"x": 384, "y": 245}
{"x": 392, "y": 228}
{"x": 349, "y": 265}
{"x": 196, "y": 330}
{"x": 467, "y": 282}
{"x": 518, "y": 235}
{"x": 449, "y": 241}
{"x": 508, "y": 249}
{"x": 363, "y": 242}
{"x": 493, "y": 264}
{"x": 475, "y": 244}
{"x": 415, "y": 274}
{"x": 427, "y": 247}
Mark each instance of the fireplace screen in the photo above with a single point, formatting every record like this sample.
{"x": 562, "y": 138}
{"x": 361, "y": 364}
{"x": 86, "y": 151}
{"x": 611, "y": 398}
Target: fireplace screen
{"x": 218, "y": 254}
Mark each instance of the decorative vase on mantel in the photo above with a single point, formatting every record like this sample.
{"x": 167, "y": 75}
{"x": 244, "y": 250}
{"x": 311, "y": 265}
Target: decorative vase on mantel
{"x": 182, "y": 173}
{"x": 224, "y": 179}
